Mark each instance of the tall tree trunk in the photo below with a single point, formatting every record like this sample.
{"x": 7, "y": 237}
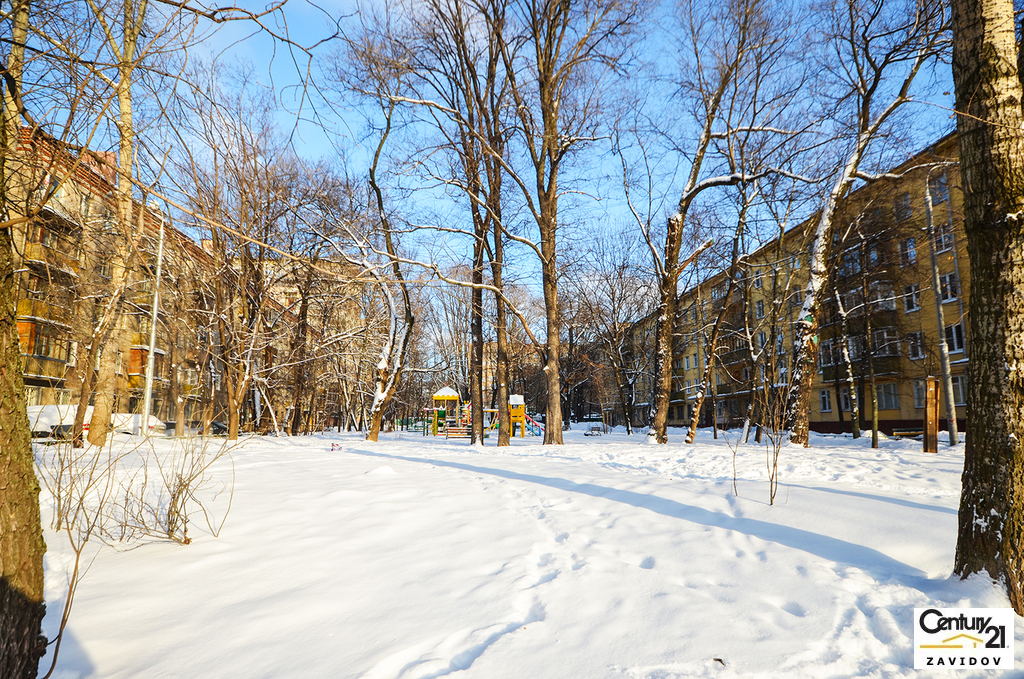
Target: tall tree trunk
{"x": 991, "y": 138}
{"x": 947, "y": 375}
{"x": 299, "y": 371}
{"x": 21, "y": 536}
{"x": 501, "y": 337}
{"x": 549, "y": 275}
{"x": 851, "y": 388}
{"x": 476, "y": 328}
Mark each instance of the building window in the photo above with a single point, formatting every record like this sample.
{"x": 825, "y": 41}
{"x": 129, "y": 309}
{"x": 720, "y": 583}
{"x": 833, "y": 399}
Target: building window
{"x": 888, "y": 396}
{"x": 762, "y": 339}
{"x": 939, "y": 188}
{"x": 850, "y": 264}
{"x": 902, "y": 207}
{"x": 959, "y": 390}
{"x": 853, "y": 301}
{"x": 677, "y": 364}
{"x": 943, "y": 237}
{"x": 857, "y": 348}
{"x": 828, "y": 351}
{"x": 908, "y": 252}
{"x": 825, "y": 401}
{"x": 687, "y": 359}
{"x": 759, "y": 308}
{"x": 796, "y": 299}
{"x": 949, "y": 287}
{"x": 874, "y": 255}
{"x": 695, "y": 362}
{"x": 45, "y": 341}
{"x": 844, "y": 399}
{"x": 780, "y": 343}
{"x": 33, "y": 396}
{"x": 955, "y": 337}
{"x": 886, "y": 342}
{"x": 920, "y": 390}
{"x": 693, "y": 314}
{"x": 881, "y": 296}
{"x": 911, "y": 298}
{"x": 915, "y": 345}
{"x": 757, "y": 278}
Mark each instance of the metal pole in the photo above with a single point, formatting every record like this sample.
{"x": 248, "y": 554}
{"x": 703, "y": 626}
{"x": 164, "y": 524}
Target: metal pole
{"x": 147, "y": 403}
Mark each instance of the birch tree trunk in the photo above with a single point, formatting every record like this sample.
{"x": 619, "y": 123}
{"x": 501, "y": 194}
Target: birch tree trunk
{"x": 947, "y": 376}
{"x": 990, "y": 124}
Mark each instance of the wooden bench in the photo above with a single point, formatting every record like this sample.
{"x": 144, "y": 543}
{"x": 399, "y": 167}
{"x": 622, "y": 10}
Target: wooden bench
{"x": 910, "y": 432}
{"x": 457, "y": 433}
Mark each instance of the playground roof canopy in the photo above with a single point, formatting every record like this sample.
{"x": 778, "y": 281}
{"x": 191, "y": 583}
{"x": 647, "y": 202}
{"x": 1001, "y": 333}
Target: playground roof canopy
{"x": 446, "y": 393}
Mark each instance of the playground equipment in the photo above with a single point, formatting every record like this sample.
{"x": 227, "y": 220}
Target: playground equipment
{"x": 517, "y": 412}
{"x": 448, "y": 415}
{"x": 443, "y": 411}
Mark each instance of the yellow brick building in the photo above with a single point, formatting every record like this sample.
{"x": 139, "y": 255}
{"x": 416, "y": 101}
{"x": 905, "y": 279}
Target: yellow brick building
{"x": 881, "y": 276}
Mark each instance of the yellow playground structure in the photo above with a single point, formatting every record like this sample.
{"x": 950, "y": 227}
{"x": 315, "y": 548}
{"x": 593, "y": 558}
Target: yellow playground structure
{"x": 450, "y": 417}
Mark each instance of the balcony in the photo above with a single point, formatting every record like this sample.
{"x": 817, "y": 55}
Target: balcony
{"x": 37, "y": 252}
{"x": 44, "y": 368}
{"x": 34, "y": 308}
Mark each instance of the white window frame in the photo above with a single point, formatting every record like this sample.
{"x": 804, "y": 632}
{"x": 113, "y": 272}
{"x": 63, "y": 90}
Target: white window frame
{"x": 954, "y": 338}
{"x": 920, "y": 393}
{"x": 911, "y": 298}
{"x": 915, "y": 340}
{"x": 908, "y": 252}
{"x": 888, "y": 394}
{"x": 825, "y": 401}
{"x": 949, "y": 287}
{"x": 959, "y": 390}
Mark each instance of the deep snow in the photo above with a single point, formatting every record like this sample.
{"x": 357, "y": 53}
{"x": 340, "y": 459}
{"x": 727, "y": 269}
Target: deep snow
{"x": 416, "y": 557}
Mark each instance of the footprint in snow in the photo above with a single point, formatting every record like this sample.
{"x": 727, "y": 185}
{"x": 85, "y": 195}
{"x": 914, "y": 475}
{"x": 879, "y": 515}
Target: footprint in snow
{"x": 793, "y": 608}
{"x": 647, "y": 563}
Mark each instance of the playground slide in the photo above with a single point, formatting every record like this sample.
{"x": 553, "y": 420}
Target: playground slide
{"x": 534, "y": 427}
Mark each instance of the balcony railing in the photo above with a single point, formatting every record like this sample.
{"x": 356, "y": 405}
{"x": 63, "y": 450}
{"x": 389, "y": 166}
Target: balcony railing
{"x": 37, "y": 252}
{"x": 40, "y": 366}
{"x": 34, "y": 308}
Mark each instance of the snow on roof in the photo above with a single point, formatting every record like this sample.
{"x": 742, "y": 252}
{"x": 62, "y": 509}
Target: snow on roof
{"x": 516, "y": 400}
{"x": 446, "y": 392}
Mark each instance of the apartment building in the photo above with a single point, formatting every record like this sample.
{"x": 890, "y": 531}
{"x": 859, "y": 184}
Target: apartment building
{"x": 882, "y": 305}
{"x": 68, "y": 250}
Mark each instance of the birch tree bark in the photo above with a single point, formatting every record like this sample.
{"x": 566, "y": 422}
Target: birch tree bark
{"x": 990, "y": 124}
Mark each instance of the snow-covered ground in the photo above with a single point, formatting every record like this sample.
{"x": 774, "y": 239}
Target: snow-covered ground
{"x": 416, "y": 557}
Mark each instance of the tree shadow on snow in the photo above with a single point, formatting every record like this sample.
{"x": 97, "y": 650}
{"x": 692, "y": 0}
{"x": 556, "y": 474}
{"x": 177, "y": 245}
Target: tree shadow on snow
{"x": 878, "y": 498}
{"x": 871, "y": 561}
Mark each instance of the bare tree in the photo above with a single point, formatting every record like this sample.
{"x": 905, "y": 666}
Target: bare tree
{"x": 990, "y": 124}
{"x": 879, "y": 49}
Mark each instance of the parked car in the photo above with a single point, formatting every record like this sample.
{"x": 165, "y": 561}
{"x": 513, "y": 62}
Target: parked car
{"x": 130, "y": 423}
{"x": 43, "y": 420}
{"x": 216, "y": 429}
